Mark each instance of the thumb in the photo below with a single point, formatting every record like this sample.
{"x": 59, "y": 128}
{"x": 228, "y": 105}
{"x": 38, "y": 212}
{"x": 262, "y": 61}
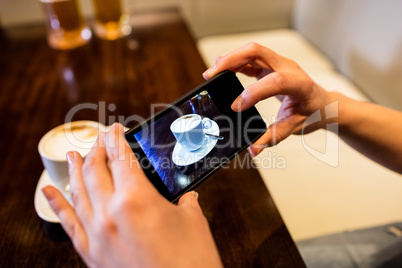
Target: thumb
{"x": 189, "y": 200}
{"x": 248, "y": 98}
{"x": 275, "y": 134}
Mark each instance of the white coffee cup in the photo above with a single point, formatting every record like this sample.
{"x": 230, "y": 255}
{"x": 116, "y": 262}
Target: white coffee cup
{"x": 74, "y": 136}
{"x": 189, "y": 131}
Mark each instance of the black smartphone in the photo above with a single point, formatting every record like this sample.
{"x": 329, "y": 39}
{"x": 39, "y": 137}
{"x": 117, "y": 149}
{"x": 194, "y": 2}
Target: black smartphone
{"x": 190, "y": 139}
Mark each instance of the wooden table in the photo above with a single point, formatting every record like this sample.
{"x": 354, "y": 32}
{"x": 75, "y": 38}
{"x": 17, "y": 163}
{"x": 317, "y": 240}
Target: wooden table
{"x": 157, "y": 63}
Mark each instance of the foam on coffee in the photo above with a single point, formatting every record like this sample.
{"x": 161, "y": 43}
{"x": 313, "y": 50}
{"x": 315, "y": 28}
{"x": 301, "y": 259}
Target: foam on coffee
{"x": 74, "y": 137}
{"x": 185, "y": 123}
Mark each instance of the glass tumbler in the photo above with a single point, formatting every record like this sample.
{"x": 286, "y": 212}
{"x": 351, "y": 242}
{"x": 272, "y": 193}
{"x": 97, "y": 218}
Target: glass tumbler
{"x": 110, "y": 21}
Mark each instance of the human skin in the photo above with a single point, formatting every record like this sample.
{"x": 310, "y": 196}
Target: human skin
{"x": 119, "y": 219}
{"x": 371, "y": 129}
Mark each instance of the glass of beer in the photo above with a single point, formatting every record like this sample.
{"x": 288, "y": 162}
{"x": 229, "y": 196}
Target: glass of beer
{"x": 110, "y": 22}
{"x": 65, "y": 26}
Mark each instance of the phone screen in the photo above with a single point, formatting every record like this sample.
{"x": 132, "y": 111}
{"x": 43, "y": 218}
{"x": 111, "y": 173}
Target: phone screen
{"x": 177, "y": 165}
{"x": 191, "y": 138}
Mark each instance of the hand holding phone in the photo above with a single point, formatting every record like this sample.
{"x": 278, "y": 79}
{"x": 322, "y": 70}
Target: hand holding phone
{"x": 110, "y": 228}
{"x": 193, "y": 137}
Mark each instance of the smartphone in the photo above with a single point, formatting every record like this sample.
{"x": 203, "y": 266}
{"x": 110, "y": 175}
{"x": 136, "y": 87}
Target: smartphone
{"x": 190, "y": 139}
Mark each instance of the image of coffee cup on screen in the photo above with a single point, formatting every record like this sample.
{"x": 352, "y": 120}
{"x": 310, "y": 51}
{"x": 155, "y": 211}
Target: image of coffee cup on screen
{"x": 189, "y": 131}
{"x": 187, "y": 141}
{"x": 195, "y": 136}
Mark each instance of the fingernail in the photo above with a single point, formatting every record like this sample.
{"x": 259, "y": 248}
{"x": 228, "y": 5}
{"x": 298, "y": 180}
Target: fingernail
{"x": 117, "y": 125}
{"x": 217, "y": 58}
{"x": 238, "y": 104}
{"x": 70, "y": 157}
{"x": 121, "y": 128}
{"x": 207, "y": 73}
{"x": 196, "y": 195}
{"x": 250, "y": 151}
{"x": 255, "y": 150}
{"x": 101, "y": 139}
{"x": 48, "y": 192}
{"x": 111, "y": 127}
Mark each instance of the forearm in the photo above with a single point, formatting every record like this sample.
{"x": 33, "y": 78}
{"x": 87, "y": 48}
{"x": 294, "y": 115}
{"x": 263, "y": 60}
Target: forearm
{"x": 373, "y": 130}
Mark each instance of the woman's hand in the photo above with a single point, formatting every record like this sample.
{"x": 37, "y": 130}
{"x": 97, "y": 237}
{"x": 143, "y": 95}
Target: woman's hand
{"x": 120, "y": 220}
{"x": 280, "y": 77}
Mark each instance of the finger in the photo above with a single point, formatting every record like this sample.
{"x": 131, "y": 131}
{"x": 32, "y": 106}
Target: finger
{"x": 68, "y": 218}
{"x": 124, "y": 166}
{"x": 275, "y": 133}
{"x": 248, "y": 70}
{"x": 253, "y": 53}
{"x": 276, "y": 83}
{"x": 190, "y": 200}
{"x": 79, "y": 194}
{"x": 96, "y": 173}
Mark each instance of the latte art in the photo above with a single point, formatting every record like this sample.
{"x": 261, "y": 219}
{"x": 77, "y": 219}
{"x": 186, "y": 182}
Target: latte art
{"x": 75, "y": 137}
{"x": 185, "y": 123}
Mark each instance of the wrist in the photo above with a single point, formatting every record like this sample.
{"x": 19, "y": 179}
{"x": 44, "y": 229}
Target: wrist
{"x": 341, "y": 110}
{"x": 329, "y": 108}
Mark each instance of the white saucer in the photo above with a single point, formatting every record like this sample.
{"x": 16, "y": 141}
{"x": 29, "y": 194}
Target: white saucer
{"x": 182, "y": 157}
{"x": 42, "y": 207}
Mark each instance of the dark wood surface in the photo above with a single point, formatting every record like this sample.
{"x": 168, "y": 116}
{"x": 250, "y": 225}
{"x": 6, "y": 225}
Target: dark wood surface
{"x": 157, "y": 63}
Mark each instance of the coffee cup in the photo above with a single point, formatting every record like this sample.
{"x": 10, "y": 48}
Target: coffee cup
{"x": 73, "y": 136}
{"x": 189, "y": 131}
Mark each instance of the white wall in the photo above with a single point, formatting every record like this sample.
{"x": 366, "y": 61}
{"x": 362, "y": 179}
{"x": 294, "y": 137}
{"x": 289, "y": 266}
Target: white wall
{"x": 17, "y": 12}
{"x": 229, "y": 16}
